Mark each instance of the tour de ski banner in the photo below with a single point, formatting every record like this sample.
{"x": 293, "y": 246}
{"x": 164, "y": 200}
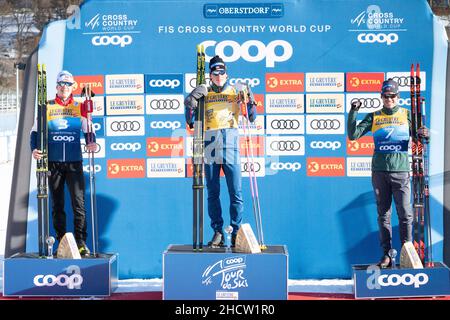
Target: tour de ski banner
{"x": 305, "y": 62}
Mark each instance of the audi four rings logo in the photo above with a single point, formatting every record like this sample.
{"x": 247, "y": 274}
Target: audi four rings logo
{"x": 402, "y": 81}
{"x": 164, "y": 104}
{"x": 318, "y": 124}
{"x": 333, "y": 145}
{"x": 277, "y": 166}
{"x": 165, "y": 125}
{"x": 255, "y": 167}
{"x": 125, "y": 126}
{"x": 285, "y": 124}
{"x": 115, "y": 40}
{"x": 85, "y": 150}
{"x": 406, "y": 279}
{"x": 389, "y": 38}
{"x": 285, "y": 145}
{"x": 63, "y": 280}
{"x": 167, "y": 83}
{"x": 129, "y": 146}
{"x": 63, "y": 138}
{"x": 369, "y": 103}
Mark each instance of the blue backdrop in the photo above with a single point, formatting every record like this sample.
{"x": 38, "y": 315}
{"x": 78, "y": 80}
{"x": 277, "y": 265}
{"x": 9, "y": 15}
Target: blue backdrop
{"x": 305, "y": 59}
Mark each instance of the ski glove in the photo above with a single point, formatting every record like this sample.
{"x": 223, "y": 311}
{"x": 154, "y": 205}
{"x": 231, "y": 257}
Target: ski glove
{"x": 356, "y": 105}
{"x": 424, "y": 133}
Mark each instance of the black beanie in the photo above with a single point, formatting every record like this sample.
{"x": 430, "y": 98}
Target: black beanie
{"x": 216, "y": 63}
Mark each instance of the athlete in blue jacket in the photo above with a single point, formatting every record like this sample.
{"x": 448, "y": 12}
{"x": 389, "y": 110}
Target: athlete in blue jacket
{"x": 221, "y": 145}
{"x": 65, "y": 124}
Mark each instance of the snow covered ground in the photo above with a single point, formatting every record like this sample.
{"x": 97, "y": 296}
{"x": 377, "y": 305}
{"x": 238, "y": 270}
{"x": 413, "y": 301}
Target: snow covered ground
{"x": 146, "y": 285}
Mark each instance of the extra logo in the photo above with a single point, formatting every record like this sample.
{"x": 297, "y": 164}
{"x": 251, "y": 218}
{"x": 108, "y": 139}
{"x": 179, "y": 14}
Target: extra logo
{"x": 126, "y": 168}
{"x": 364, "y": 146}
{"x": 165, "y": 147}
{"x": 229, "y": 272}
{"x": 378, "y": 280}
{"x": 364, "y": 81}
{"x": 250, "y": 51}
{"x": 114, "y": 40}
{"x": 72, "y": 279}
{"x": 324, "y": 167}
{"x": 285, "y": 82}
{"x": 164, "y": 83}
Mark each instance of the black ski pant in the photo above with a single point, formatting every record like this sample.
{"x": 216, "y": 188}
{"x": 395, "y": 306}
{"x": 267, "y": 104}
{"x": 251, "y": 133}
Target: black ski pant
{"x": 388, "y": 185}
{"x": 72, "y": 174}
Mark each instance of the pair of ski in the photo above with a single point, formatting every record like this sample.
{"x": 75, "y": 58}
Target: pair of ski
{"x": 420, "y": 173}
{"x": 45, "y": 241}
{"x": 245, "y": 96}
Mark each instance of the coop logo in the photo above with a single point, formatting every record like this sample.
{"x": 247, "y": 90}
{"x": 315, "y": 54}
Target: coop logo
{"x": 331, "y": 145}
{"x": 165, "y": 147}
{"x": 63, "y": 138}
{"x": 111, "y": 22}
{"x": 173, "y": 125}
{"x": 325, "y": 167}
{"x": 377, "y": 280}
{"x": 114, "y": 40}
{"x": 97, "y": 168}
{"x": 69, "y": 280}
{"x": 384, "y": 38}
{"x": 369, "y": 81}
{"x": 228, "y": 272}
{"x": 364, "y": 146}
{"x": 126, "y": 168}
{"x": 288, "y": 166}
{"x": 250, "y": 51}
{"x": 285, "y": 82}
{"x": 164, "y": 83}
{"x": 243, "y": 10}
{"x": 129, "y": 146}
{"x": 251, "y": 82}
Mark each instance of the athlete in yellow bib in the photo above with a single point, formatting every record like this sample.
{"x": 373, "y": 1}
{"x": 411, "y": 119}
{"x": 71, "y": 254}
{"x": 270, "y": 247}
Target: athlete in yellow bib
{"x": 221, "y": 146}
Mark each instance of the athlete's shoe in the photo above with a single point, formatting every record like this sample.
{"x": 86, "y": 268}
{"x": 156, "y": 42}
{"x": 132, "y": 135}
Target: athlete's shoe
{"x": 217, "y": 240}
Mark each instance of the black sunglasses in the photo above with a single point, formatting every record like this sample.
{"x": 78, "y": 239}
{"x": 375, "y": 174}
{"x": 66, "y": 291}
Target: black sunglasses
{"x": 64, "y": 83}
{"x": 218, "y": 72}
{"x": 389, "y": 96}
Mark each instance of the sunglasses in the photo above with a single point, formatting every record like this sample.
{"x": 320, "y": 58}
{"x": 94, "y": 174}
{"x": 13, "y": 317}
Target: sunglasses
{"x": 218, "y": 72}
{"x": 389, "y": 96}
{"x": 64, "y": 83}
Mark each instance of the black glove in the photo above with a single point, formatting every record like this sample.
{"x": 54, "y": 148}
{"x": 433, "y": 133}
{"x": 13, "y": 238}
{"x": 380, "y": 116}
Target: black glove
{"x": 356, "y": 105}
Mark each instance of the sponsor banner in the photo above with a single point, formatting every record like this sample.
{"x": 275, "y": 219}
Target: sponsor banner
{"x": 124, "y": 105}
{"x": 99, "y": 105}
{"x": 111, "y": 23}
{"x": 370, "y": 102}
{"x": 359, "y": 167}
{"x": 256, "y": 145}
{"x": 97, "y": 84}
{"x": 325, "y": 82}
{"x": 165, "y": 147}
{"x": 126, "y": 146}
{"x": 259, "y": 99}
{"x": 325, "y": 167}
{"x": 97, "y": 168}
{"x": 243, "y": 10}
{"x": 325, "y": 145}
{"x": 99, "y": 153}
{"x": 364, "y": 146}
{"x": 189, "y": 146}
{"x": 126, "y": 168}
{"x": 325, "y": 103}
{"x": 285, "y": 124}
{"x": 364, "y": 81}
{"x": 251, "y": 82}
{"x": 165, "y": 125}
{"x": 164, "y": 83}
{"x": 256, "y": 127}
{"x": 275, "y": 165}
{"x": 404, "y": 79}
{"x": 124, "y": 83}
{"x": 258, "y": 165}
{"x": 190, "y": 81}
{"x": 164, "y": 104}
{"x": 98, "y": 124}
{"x": 166, "y": 168}
{"x": 285, "y": 82}
{"x": 285, "y": 103}
{"x": 327, "y": 124}
{"x": 125, "y": 126}
{"x": 285, "y": 146}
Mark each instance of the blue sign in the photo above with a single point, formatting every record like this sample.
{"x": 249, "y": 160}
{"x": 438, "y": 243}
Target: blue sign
{"x": 164, "y": 83}
{"x": 225, "y": 276}
{"x": 373, "y": 282}
{"x": 25, "y": 276}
